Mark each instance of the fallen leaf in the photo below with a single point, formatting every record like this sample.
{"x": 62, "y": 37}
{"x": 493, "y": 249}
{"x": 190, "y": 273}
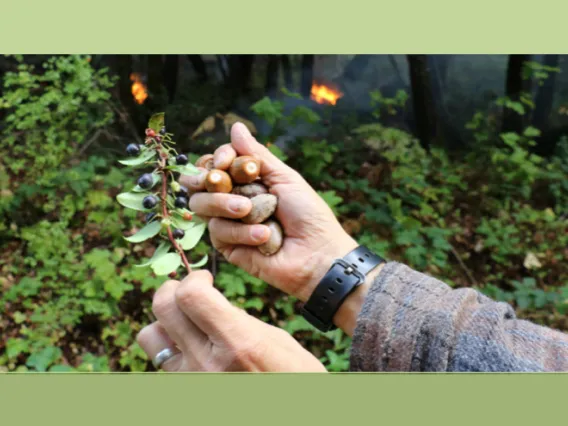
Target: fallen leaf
{"x": 531, "y": 261}
{"x": 208, "y": 125}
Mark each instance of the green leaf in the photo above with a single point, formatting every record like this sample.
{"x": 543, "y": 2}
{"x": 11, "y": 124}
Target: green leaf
{"x": 277, "y": 152}
{"x": 15, "y": 347}
{"x": 157, "y": 121}
{"x": 291, "y": 94}
{"x": 132, "y": 200}
{"x": 199, "y": 264}
{"x": 166, "y": 264}
{"x": 43, "y": 359}
{"x": 160, "y": 251}
{"x": 192, "y": 236}
{"x": 531, "y": 132}
{"x": 156, "y": 178}
{"x": 148, "y": 231}
{"x": 142, "y": 158}
{"x": 183, "y": 224}
{"x": 187, "y": 169}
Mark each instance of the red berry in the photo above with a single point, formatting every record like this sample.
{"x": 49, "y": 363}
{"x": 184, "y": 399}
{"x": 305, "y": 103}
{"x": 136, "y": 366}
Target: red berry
{"x": 187, "y": 216}
{"x": 172, "y": 274}
{"x": 150, "y": 132}
{"x": 158, "y": 138}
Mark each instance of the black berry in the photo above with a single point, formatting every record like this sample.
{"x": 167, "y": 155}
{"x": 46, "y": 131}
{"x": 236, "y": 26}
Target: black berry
{"x": 182, "y": 159}
{"x": 150, "y": 216}
{"x": 163, "y": 131}
{"x": 145, "y": 181}
{"x": 149, "y": 202}
{"x": 178, "y": 234}
{"x": 180, "y": 202}
{"x": 133, "y": 149}
{"x": 183, "y": 192}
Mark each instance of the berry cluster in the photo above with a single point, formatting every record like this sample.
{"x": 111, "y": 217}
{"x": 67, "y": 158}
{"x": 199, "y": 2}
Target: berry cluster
{"x": 163, "y": 199}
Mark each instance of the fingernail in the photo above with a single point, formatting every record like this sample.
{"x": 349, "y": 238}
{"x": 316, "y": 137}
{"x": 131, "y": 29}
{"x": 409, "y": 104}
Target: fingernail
{"x": 195, "y": 180}
{"x": 258, "y": 232}
{"x": 220, "y": 159}
{"x": 242, "y": 129}
{"x": 236, "y": 205}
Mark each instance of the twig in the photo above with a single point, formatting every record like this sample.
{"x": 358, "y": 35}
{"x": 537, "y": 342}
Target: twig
{"x": 165, "y": 213}
{"x": 459, "y": 259}
{"x": 88, "y": 143}
{"x": 462, "y": 264}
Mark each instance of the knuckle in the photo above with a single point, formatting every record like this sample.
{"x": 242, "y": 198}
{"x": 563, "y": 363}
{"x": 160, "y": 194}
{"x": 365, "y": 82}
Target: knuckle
{"x": 236, "y": 234}
{"x": 189, "y": 295}
{"x": 144, "y": 336}
{"x": 162, "y": 301}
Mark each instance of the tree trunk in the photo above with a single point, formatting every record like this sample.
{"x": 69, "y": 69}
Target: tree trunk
{"x": 122, "y": 66}
{"x": 422, "y": 100}
{"x": 157, "y": 95}
{"x": 438, "y": 65}
{"x": 307, "y": 75}
{"x": 240, "y": 67}
{"x": 514, "y": 87}
{"x": 272, "y": 74}
{"x": 199, "y": 66}
{"x": 171, "y": 69}
{"x": 545, "y": 96}
{"x": 287, "y": 72}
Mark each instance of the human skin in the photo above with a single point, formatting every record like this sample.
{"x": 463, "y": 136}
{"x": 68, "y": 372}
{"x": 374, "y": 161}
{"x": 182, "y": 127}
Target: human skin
{"x": 212, "y": 334}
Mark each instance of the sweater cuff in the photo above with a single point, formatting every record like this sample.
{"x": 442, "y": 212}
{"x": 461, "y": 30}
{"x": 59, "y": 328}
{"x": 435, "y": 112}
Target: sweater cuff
{"x": 388, "y": 326}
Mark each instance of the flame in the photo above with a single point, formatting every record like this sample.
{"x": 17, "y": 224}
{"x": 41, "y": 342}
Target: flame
{"x": 323, "y": 94}
{"x": 138, "y": 88}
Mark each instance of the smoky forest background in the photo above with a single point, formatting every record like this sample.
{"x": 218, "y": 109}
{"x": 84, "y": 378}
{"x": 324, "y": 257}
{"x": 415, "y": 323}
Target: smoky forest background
{"x": 456, "y": 165}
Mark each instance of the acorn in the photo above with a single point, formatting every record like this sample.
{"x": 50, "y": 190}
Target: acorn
{"x": 263, "y": 206}
{"x": 244, "y": 169}
{"x": 250, "y": 190}
{"x": 275, "y": 241}
{"x": 218, "y": 181}
{"x": 205, "y": 161}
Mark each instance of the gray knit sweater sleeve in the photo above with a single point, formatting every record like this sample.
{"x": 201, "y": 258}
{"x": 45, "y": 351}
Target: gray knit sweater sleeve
{"x": 412, "y": 322}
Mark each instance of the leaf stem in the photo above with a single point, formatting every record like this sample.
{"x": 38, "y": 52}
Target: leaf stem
{"x": 165, "y": 212}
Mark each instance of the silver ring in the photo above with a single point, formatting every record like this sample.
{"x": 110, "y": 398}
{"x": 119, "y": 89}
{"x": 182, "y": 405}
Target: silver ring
{"x": 163, "y": 356}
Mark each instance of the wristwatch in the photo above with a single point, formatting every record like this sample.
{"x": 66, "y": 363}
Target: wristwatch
{"x": 344, "y": 276}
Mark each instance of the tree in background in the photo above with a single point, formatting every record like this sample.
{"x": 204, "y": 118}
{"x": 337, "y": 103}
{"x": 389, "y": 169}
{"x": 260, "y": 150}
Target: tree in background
{"x": 545, "y": 96}
{"x": 515, "y": 86}
{"x": 422, "y": 99}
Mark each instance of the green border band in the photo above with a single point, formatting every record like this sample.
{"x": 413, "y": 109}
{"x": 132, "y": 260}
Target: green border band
{"x": 291, "y": 26}
{"x": 292, "y": 399}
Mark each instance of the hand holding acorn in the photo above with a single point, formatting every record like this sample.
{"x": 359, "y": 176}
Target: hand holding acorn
{"x": 240, "y": 175}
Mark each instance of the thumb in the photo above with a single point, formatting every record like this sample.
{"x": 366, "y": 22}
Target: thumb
{"x": 273, "y": 170}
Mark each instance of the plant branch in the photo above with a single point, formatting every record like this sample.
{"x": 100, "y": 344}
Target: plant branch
{"x": 166, "y": 214}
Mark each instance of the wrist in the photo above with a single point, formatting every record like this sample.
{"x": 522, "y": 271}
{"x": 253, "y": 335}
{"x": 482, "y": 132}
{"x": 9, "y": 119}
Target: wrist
{"x": 320, "y": 262}
{"x": 346, "y": 316}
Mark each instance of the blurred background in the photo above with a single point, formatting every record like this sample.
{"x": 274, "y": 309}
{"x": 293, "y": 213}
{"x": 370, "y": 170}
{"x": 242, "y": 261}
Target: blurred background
{"x": 456, "y": 165}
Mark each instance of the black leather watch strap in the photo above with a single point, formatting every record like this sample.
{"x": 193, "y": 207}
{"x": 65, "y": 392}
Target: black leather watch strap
{"x": 344, "y": 276}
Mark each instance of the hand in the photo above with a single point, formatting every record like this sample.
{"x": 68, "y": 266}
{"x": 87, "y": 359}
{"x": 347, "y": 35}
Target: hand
{"x": 313, "y": 236}
{"x": 214, "y": 335}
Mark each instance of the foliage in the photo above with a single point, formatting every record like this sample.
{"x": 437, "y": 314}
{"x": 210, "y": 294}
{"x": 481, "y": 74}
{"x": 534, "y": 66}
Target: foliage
{"x": 167, "y": 217}
{"x": 50, "y": 113}
{"x": 71, "y": 298}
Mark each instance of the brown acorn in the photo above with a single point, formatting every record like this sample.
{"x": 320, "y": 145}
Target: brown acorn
{"x": 250, "y": 190}
{"x": 205, "y": 161}
{"x": 275, "y": 241}
{"x": 244, "y": 169}
{"x": 263, "y": 206}
{"x": 218, "y": 181}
